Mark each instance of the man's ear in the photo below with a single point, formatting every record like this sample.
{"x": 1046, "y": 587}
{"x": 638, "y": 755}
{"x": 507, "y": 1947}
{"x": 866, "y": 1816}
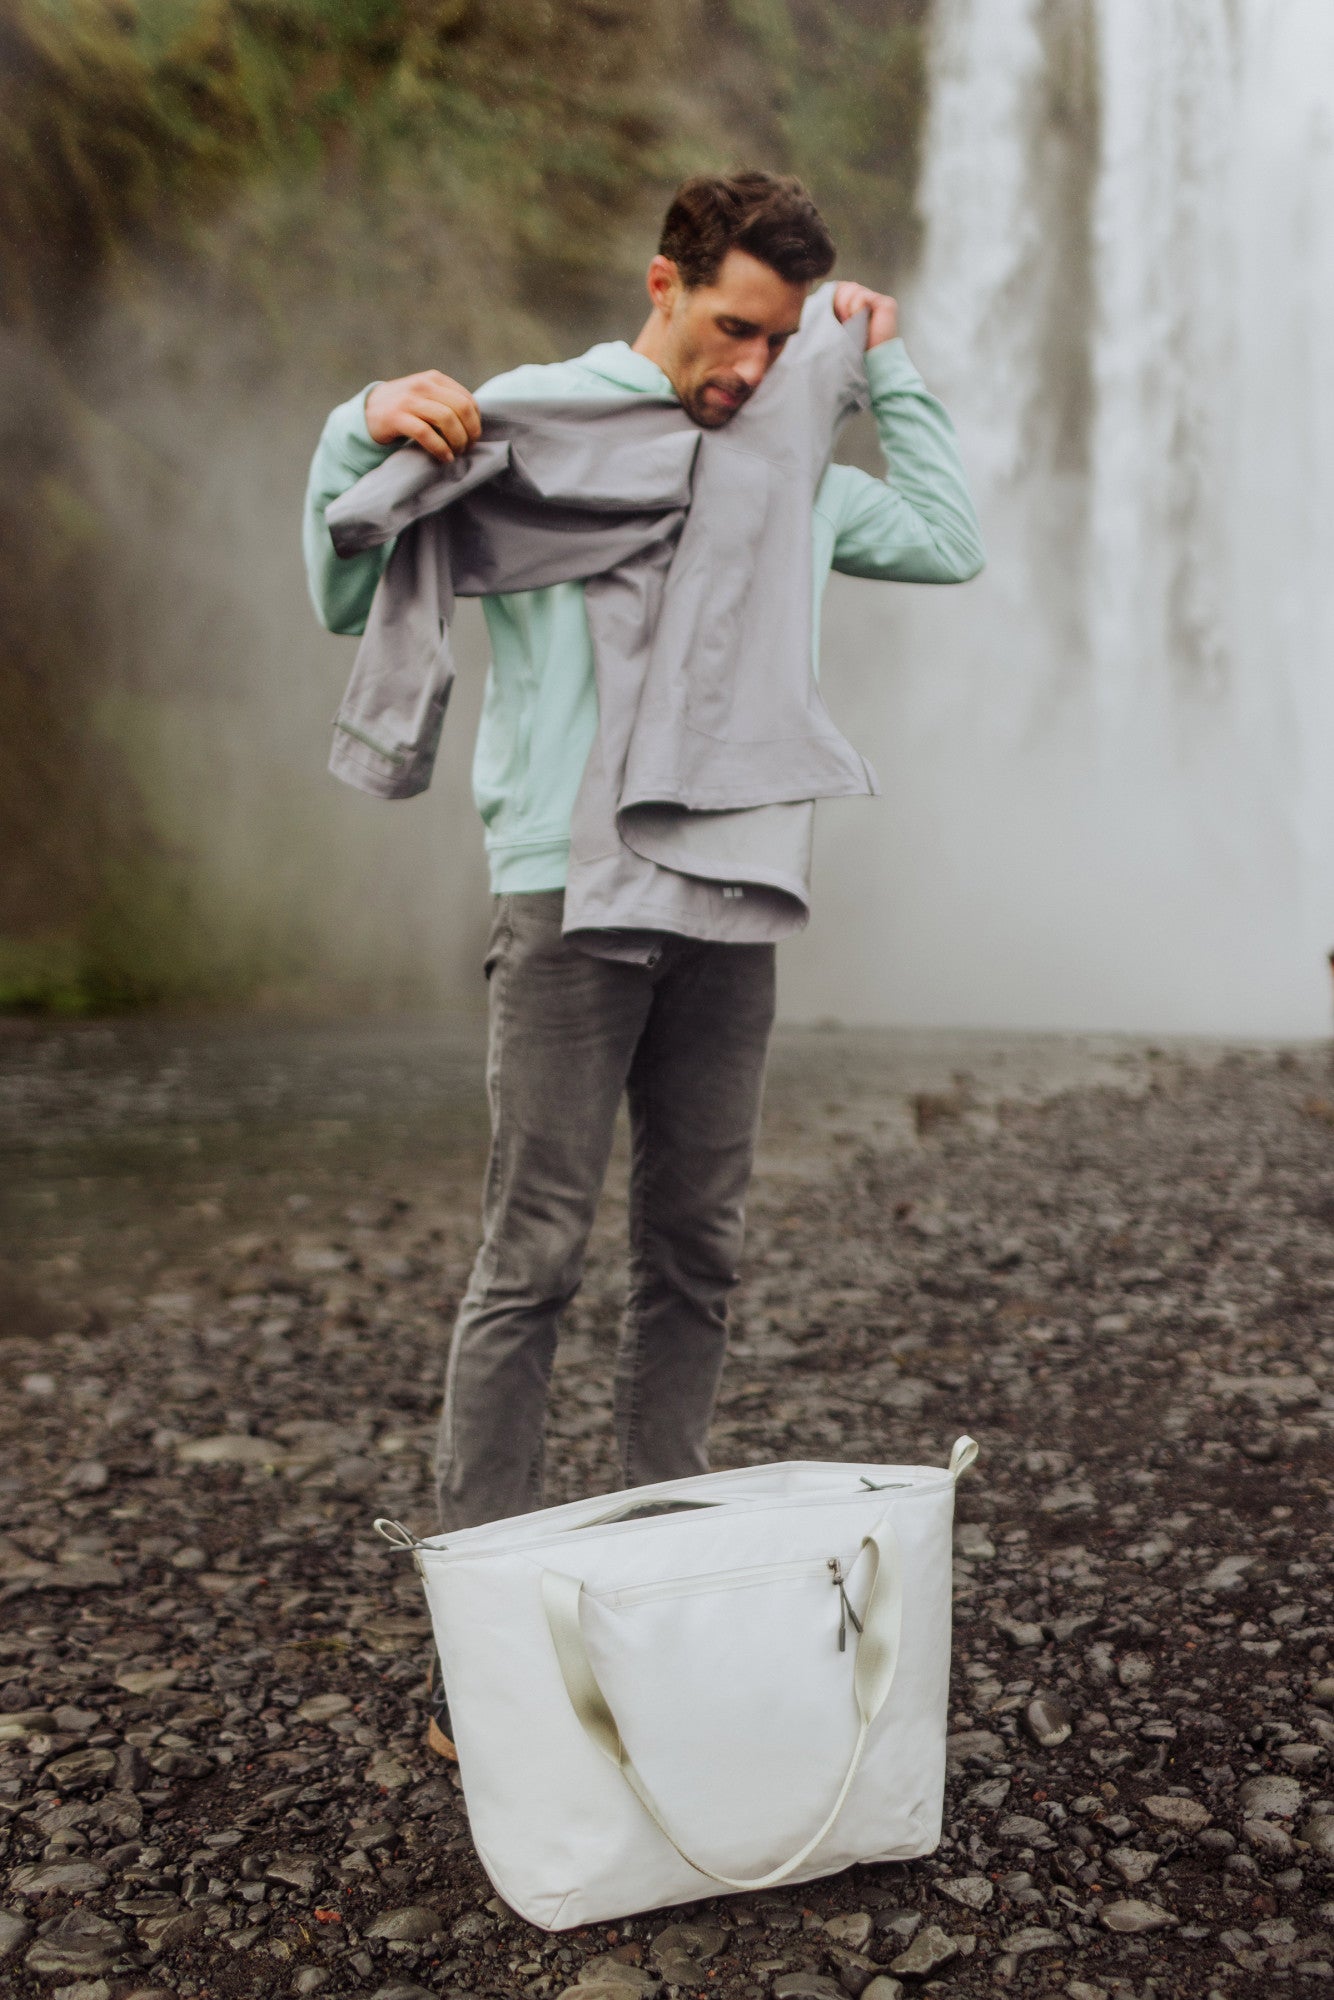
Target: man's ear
{"x": 664, "y": 283}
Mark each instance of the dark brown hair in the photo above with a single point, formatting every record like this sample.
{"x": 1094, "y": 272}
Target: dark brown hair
{"x": 769, "y": 215}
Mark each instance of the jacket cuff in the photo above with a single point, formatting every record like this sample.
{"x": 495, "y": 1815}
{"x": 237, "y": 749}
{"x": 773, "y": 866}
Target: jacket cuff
{"x": 888, "y": 369}
{"x": 346, "y": 432}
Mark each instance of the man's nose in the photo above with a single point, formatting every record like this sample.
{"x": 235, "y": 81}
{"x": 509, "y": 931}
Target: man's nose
{"x": 752, "y": 364}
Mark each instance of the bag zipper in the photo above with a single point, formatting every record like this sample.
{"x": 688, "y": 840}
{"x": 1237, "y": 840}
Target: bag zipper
{"x": 740, "y": 1579}
{"x": 845, "y": 1610}
{"x": 709, "y": 1580}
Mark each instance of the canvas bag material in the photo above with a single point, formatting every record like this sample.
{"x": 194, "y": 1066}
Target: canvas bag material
{"x": 656, "y": 1706}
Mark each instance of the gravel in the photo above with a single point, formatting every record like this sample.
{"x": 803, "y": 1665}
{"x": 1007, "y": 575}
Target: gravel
{"x": 235, "y": 1267}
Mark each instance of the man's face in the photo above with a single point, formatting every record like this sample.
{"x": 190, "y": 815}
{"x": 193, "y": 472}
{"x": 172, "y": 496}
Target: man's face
{"x": 719, "y": 341}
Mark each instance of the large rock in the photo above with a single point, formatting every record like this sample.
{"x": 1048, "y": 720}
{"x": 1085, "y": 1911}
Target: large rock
{"x": 929, "y": 1949}
{"x": 298, "y": 1871}
{"x": 681, "y": 1949}
{"x": 612, "y": 1975}
{"x": 1318, "y": 1833}
{"x": 973, "y": 1891}
{"x": 1270, "y": 1796}
{"x": 973, "y": 1746}
{"x": 1133, "y": 1864}
{"x": 1048, "y": 1721}
{"x": 163, "y": 1933}
{"x": 81, "y": 1769}
{"x": 58, "y": 1878}
{"x": 1188, "y": 1814}
{"x": 14, "y": 1931}
{"x": 81, "y": 1944}
{"x": 1035, "y": 1938}
{"x": 853, "y": 1928}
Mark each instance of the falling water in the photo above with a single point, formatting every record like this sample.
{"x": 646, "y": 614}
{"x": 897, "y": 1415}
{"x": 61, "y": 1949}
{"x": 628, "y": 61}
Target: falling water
{"x": 1108, "y": 763}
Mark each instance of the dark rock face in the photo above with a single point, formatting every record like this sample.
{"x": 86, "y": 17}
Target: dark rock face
{"x": 213, "y": 1772}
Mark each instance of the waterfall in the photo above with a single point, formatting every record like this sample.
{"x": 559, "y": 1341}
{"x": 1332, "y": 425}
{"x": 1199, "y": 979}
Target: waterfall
{"x": 1109, "y": 763}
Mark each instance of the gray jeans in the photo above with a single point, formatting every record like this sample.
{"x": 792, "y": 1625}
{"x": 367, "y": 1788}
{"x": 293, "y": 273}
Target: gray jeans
{"x": 686, "y": 1039}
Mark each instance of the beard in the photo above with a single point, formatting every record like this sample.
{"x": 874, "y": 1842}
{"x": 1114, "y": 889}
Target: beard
{"x": 711, "y": 413}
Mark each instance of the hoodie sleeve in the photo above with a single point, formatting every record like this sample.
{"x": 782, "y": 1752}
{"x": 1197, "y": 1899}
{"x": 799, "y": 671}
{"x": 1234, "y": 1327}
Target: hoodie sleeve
{"x": 341, "y": 588}
{"x": 918, "y": 523}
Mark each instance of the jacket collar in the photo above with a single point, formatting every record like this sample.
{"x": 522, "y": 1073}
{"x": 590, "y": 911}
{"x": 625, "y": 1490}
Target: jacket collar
{"x": 616, "y": 361}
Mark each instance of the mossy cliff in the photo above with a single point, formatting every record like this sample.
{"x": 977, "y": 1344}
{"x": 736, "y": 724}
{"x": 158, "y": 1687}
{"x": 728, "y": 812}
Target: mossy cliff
{"x": 219, "y": 216}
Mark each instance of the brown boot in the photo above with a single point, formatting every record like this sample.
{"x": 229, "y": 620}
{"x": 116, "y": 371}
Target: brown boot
{"x": 440, "y": 1730}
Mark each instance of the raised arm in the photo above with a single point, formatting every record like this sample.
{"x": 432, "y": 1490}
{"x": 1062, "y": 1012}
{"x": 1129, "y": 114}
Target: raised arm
{"x": 431, "y": 409}
{"x": 918, "y": 523}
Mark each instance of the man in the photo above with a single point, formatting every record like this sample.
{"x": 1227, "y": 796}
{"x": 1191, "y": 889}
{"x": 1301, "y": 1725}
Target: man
{"x": 683, "y": 1033}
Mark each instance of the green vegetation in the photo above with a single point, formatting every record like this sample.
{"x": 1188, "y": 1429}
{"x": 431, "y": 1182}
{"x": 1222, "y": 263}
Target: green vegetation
{"x": 265, "y": 155}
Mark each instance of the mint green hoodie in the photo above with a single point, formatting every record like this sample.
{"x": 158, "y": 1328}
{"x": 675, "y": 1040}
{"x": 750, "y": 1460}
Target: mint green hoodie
{"x": 539, "y": 714}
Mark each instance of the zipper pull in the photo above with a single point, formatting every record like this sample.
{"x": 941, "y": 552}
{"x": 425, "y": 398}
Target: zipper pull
{"x": 845, "y": 1610}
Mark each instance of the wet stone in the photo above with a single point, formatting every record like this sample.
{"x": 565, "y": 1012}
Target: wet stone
{"x": 1128, "y": 1916}
{"x": 321, "y": 1707}
{"x": 80, "y": 1943}
{"x": 60, "y": 1878}
{"x": 77, "y": 1721}
{"x": 14, "y": 1931}
{"x": 678, "y": 1950}
{"x": 780, "y": 1917}
{"x": 902, "y": 1923}
{"x": 385, "y": 1770}
{"x": 973, "y": 1746}
{"x": 852, "y": 1929}
{"x": 1020, "y": 1633}
{"x": 1188, "y": 1814}
{"x": 298, "y": 1871}
{"x": 975, "y": 1892}
{"x": 1035, "y": 1938}
{"x": 1022, "y": 1830}
{"x": 883, "y": 1988}
{"x": 1133, "y": 1864}
{"x": 163, "y": 1933}
{"x": 1318, "y": 1833}
{"x": 1267, "y": 1839}
{"x": 806, "y": 1986}
{"x": 1048, "y": 1721}
{"x": 929, "y": 1949}
{"x": 1271, "y": 1796}
{"x": 83, "y": 1989}
{"x": 230, "y": 1448}
{"x": 408, "y": 1925}
{"x": 990, "y": 1795}
{"x": 607, "y": 1974}
{"x": 81, "y": 1769}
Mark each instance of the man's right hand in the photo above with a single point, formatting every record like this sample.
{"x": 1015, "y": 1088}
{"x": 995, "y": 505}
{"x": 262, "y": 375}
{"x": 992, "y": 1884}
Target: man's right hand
{"x": 432, "y": 409}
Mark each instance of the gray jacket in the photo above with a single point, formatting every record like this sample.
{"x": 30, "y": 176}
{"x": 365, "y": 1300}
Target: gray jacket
{"x": 695, "y": 810}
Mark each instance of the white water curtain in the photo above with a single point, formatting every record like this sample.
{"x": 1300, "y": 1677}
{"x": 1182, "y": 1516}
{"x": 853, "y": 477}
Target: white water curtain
{"x": 1109, "y": 763}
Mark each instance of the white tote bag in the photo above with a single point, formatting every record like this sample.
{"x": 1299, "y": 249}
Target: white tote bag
{"x": 718, "y": 1683}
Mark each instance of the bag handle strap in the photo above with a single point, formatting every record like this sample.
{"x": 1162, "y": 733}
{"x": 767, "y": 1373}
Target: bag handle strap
{"x": 876, "y": 1659}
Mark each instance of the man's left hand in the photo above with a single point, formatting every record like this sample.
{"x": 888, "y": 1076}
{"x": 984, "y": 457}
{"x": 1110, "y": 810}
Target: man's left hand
{"x": 883, "y": 312}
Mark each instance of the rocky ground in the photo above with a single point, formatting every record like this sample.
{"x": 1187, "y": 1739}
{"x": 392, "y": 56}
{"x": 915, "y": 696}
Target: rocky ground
{"x": 232, "y": 1271}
